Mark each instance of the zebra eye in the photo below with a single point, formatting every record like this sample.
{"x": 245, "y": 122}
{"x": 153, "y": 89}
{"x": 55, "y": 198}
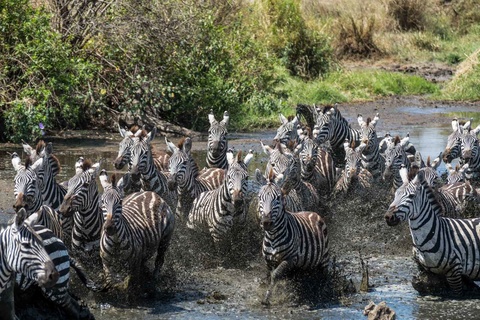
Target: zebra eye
{"x": 411, "y": 195}
{"x": 26, "y": 244}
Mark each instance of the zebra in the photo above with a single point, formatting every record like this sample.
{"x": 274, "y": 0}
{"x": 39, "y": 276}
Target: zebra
{"x": 441, "y": 245}
{"x": 468, "y": 142}
{"x": 395, "y": 157}
{"x": 301, "y": 195}
{"x": 34, "y": 153}
{"x": 82, "y": 202}
{"x": 28, "y": 196}
{"x": 456, "y": 174}
{"x": 332, "y": 127}
{"x": 23, "y": 252}
{"x": 218, "y": 210}
{"x": 136, "y": 227}
{"x": 142, "y": 163}
{"x": 291, "y": 240}
{"x": 454, "y": 141}
{"x": 371, "y": 158}
{"x": 287, "y": 132}
{"x": 317, "y": 165}
{"x": 185, "y": 178}
{"x": 354, "y": 177}
{"x": 217, "y": 145}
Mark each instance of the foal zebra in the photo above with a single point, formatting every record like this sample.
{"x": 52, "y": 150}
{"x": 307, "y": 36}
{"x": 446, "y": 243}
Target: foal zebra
{"x": 291, "y": 240}
{"x": 136, "y": 227}
{"x": 217, "y": 145}
{"x": 443, "y": 246}
{"x": 218, "y": 210}
{"x": 185, "y": 178}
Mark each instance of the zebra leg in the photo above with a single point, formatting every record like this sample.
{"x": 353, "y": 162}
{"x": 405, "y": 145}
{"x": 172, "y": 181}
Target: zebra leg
{"x": 454, "y": 279}
{"x": 276, "y": 274}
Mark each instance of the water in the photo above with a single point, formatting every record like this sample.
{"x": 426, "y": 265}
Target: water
{"x": 191, "y": 283}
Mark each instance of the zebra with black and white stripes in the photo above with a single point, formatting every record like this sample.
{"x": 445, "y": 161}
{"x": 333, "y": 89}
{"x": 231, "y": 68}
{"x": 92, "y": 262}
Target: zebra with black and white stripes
{"x": 441, "y": 245}
{"x": 217, "y": 144}
{"x": 317, "y": 165}
{"x": 354, "y": 177}
{"x": 470, "y": 152}
{"x": 287, "y": 132}
{"x": 28, "y": 196}
{"x": 395, "y": 158}
{"x": 371, "y": 158}
{"x": 82, "y": 201}
{"x": 136, "y": 227}
{"x": 454, "y": 141}
{"x": 291, "y": 240}
{"x": 185, "y": 178}
{"x": 22, "y": 251}
{"x": 143, "y": 164}
{"x": 219, "y": 210}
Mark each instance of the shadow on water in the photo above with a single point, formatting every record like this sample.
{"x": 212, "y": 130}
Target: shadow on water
{"x": 199, "y": 282}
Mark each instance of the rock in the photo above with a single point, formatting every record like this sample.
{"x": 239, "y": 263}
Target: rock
{"x": 379, "y": 312}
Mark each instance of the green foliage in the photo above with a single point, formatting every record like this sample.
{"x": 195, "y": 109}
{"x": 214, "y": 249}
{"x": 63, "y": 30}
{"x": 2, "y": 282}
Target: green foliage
{"x": 43, "y": 75}
{"x": 464, "y": 86}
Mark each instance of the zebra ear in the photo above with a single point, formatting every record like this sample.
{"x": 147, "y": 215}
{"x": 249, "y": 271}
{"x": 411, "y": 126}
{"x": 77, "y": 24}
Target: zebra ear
{"x": 404, "y": 174}
{"x": 266, "y": 149}
{"x": 123, "y": 132}
{"x": 248, "y": 157}
{"x": 283, "y": 119}
{"x": 103, "y": 177}
{"x": 187, "y": 145}
{"x": 151, "y": 134}
{"x": 436, "y": 162}
{"x": 455, "y": 126}
{"x": 20, "y": 217}
{"x": 226, "y": 117}
{"x": 361, "y": 123}
{"x": 295, "y": 120}
{"x": 211, "y": 118}
{"x": 230, "y": 156}
{"x": 260, "y": 177}
{"x": 375, "y": 120}
{"x": 49, "y": 148}
{"x": 170, "y": 146}
{"x": 476, "y": 130}
{"x": 16, "y": 162}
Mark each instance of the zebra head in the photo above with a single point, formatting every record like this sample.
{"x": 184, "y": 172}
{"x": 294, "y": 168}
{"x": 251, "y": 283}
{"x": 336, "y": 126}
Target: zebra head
{"x": 468, "y": 143}
{"x": 82, "y": 190}
{"x": 324, "y": 128}
{"x": 292, "y": 176}
{"x": 141, "y": 156}
{"x": 403, "y": 203}
{"x": 111, "y": 202}
{"x": 47, "y": 167}
{"x": 125, "y": 146}
{"x": 236, "y": 178}
{"x": 26, "y": 253}
{"x": 34, "y": 153}
{"x": 26, "y": 189}
{"x": 395, "y": 156}
{"x": 271, "y": 202}
{"x": 368, "y": 133}
{"x": 308, "y": 156}
{"x": 279, "y": 157}
{"x": 287, "y": 132}
{"x": 217, "y": 145}
{"x": 453, "y": 147}
{"x": 352, "y": 161}
{"x": 456, "y": 174}
{"x": 181, "y": 165}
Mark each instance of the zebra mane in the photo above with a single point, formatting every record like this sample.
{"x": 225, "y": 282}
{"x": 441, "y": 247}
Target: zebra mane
{"x": 55, "y": 159}
{"x": 87, "y": 164}
{"x": 28, "y": 162}
{"x": 181, "y": 142}
{"x": 397, "y": 140}
{"x": 369, "y": 120}
{"x": 39, "y": 147}
{"x": 414, "y": 169}
{"x": 134, "y": 128}
{"x": 142, "y": 134}
{"x": 428, "y": 162}
{"x": 113, "y": 179}
{"x": 290, "y": 118}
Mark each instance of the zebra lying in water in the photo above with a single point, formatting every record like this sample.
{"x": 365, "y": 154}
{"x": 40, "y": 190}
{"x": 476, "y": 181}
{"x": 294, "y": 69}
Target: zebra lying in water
{"x": 444, "y": 246}
{"x": 291, "y": 240}
{"x": 136, "y": 228}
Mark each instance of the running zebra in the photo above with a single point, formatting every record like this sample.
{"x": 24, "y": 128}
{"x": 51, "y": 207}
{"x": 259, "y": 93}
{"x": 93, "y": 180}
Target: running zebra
{"x": 28, "y": 196}
{"x": 291, "y": 240}
{"x": 142, "y": 163}
{"x": 395, "y": 158}
{"x": 136, "y": 227}
{"x": 354, "y": 177}
{"x": 217, "y": 145}
{"x": 218, "y": 210}
{"x": 443, "y": 246}
{"x": 332, "y": 127}
{"x": 82, "y": 202}
{"x": 185, "y": 178}
{"x": 317, "y": 166}
{"x": 371, "y": 158}
{"x": 287, "y": 132}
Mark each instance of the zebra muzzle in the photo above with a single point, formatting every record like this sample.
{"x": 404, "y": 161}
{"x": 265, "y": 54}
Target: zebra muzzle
{"x": 50, "y": 277}
{"x": 390, "y": 217}
{"x": 119, "y": 163}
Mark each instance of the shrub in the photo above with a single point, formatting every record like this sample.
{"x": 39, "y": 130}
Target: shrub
{"x": 356, "y": 37}
{"x": 409, "y": 14}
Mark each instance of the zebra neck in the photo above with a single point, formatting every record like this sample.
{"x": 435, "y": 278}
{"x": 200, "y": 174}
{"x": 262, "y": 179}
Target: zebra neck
{"x": 425, "y": 219}
{"x": 153, "y": 180}
{"x": 218, "y": 161}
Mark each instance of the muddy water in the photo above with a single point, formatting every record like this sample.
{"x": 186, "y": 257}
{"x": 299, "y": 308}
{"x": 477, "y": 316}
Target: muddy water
{"x": 197, "y": 284}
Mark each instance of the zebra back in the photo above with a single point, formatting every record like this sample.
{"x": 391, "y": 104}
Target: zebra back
{"x": 217, "y": 144}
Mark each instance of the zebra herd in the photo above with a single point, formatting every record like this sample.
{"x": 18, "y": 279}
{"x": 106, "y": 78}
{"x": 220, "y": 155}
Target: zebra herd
{"x": 134, "y": 218}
